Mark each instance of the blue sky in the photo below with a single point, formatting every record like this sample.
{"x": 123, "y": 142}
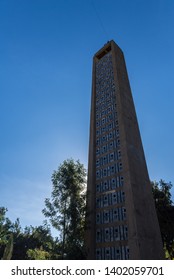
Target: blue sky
{"x": 46, "y": 50}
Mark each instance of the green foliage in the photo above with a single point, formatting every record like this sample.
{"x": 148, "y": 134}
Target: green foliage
{"x": 8, "y": 249}
{"x": 33, "y": 242}
{"x": 169, "y": 253}
{"x": 38, "y": 254}
{"x": 66, "y": 208}
{"x": 6, "y": 236}
{"x": 5, "y": 226}
{"x": 30, "y": 243}
{"x": 165, "y": 212}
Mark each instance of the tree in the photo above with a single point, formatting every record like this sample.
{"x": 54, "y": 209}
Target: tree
{"x": 66, "y": 208}
{"x": 30, "y": 243}
{"x": 6, "y": 235}
{"x": 165, "y": 212}
{"x": 35, "y": 243}
{"x": 8, "y": 249}
{"x": 38, "y": 254}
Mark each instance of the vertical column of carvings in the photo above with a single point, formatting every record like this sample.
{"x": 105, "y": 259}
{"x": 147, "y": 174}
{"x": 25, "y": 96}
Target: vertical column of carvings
{"x": 120, "y": 76}
{"x": 110, "y": 196}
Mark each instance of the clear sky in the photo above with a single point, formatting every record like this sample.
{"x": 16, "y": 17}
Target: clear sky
{"x": 46, "y": 50}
